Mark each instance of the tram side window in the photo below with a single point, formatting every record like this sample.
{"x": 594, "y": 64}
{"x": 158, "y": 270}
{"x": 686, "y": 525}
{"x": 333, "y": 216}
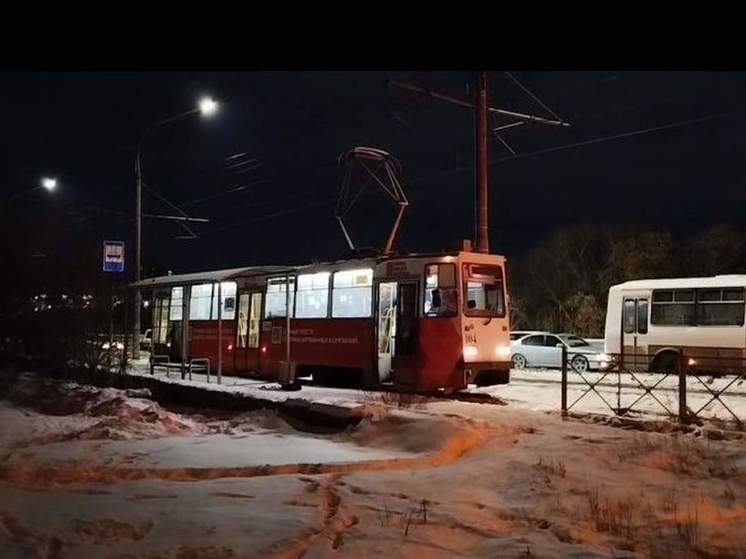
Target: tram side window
{"x": 484, "y": 294}
{"x": 161, "y": 317}
{"x": 352, "y": 293}
{"x": 312, "y": 299}
{"x": 274, "y": 302}
{"x": 200, "y": 302}
{"x": 255, "y": 315}
{"x": 441, "y": 293}
{"x": 243, "y": 320}
{"x": 177, "y": 303}
{"x": 720, "y": 307}
{"x": 228, "y": 294}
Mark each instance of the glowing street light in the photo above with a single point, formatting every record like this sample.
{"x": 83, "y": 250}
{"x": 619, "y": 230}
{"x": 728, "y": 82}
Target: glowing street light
{"x": 208, "y": 106}
{"x": 47, "y": 183}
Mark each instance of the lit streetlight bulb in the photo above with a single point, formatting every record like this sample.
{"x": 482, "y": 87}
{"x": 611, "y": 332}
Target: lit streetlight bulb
{"x": 208, "y": 106}
{"x": 49, "y": 183}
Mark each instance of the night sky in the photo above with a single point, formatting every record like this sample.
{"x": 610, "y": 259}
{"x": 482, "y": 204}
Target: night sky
{"x": 82, "y": 127}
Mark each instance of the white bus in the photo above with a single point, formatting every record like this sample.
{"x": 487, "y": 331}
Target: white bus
{"x": 650, "y": 323}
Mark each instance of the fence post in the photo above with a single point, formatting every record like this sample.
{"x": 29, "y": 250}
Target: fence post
{"x": 619, "y": 390}
{"x": 683, "y": 415}
{"x": 564, "y": 380}
{"x": 127, "y": 331}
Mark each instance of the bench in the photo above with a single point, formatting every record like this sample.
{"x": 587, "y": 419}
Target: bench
{"x": 197, "y": 365}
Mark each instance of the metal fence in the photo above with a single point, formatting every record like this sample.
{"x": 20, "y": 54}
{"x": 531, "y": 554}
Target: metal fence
{"x": 686, "y": 387}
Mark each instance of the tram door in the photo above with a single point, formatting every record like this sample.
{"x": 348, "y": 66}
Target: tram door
{"x": 386, "y": 329}
{"x": 397, "y": 332}
{"x": 246, "y": 353}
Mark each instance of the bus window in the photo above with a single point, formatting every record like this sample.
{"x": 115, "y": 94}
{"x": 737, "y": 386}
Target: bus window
{"x": 441, "y": 293}
{"x": 484, "y": 293}
{"x": 673, "y": 307}
{"x": 274, "y": 302}
{"x": 720, "y": 307}
{"x": 629, "y": 316}
{"x": 642, "y": 316}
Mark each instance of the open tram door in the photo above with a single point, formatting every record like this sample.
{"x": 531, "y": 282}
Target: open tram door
{"x": 397, "y": 332}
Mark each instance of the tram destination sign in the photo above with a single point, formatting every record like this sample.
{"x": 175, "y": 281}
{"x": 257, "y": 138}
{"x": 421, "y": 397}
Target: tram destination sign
{"x": 113, "y": 256}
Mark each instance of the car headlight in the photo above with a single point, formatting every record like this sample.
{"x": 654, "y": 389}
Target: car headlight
{"x": 604, "y": 357}
{"x": 106, "y": 346}
{"x": 120, "y": 345}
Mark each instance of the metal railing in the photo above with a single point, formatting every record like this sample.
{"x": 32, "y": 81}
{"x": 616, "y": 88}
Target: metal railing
{"x": 628, "y": 381}
{"x": 196, "y": 364}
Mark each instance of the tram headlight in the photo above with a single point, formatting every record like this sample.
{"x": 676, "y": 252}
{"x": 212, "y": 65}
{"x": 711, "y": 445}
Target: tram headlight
{"x": 503, "y": 351}
{"x": 470, "y": 351}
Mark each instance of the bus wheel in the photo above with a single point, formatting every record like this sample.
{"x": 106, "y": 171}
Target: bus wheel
{"x": 579, "y": 363}
{"x": 519, "y": 361}
{"x": 664, "y": 363}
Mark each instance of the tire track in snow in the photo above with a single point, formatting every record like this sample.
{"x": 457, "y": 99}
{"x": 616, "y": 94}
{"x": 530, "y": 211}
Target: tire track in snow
{"x": 333, "y": 524}
{"x": 45, "y": 475}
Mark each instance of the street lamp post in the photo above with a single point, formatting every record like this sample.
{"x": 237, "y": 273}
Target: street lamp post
{"x": 47, "y": 183}
{"x": 206, "y": 107}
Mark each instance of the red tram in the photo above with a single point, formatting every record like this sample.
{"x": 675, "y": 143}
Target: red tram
{"x": 423, "y": 322}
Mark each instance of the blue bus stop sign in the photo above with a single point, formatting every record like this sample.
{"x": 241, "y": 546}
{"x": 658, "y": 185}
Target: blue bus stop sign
{"x": 113, "y": 256}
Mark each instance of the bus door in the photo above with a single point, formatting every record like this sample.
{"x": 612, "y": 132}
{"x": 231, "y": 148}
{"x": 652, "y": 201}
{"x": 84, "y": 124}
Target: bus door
{"x": 248, "y": 323}
{"x": 635, "y": 319}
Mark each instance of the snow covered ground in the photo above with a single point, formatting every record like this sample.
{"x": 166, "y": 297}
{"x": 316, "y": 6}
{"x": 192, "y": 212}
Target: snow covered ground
{"x": 534, "y": 389}
{"x": 88, "y": 472}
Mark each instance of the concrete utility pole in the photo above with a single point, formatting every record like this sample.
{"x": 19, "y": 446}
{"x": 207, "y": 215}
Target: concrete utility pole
{"x": 481, "y": 221}
{"x": 482, "y": 110}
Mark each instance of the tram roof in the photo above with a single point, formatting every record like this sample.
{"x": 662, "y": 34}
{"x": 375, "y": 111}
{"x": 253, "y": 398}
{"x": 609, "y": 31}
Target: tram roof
{"x": 209, "y": 276}
{"x": 233, "y": 273}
